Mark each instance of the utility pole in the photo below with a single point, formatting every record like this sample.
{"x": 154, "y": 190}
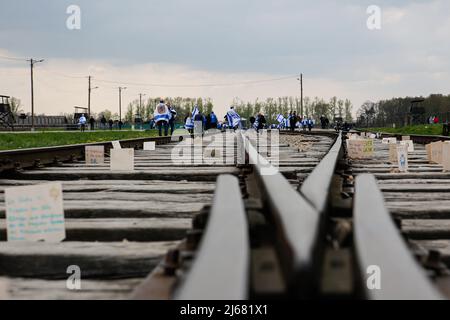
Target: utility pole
{"x": 120, "y": 102}
{"x": 301, "y": 93}
{"x": 140, "y": 101}
{"x": 89, "y": 96}
{"x": 32, "y": 63}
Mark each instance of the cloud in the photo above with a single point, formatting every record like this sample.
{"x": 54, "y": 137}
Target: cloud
{"x": 203, "y": 41}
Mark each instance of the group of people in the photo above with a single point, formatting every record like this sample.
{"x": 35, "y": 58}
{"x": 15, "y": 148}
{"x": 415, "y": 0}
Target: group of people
{"x": 104, "y": 124}
{"x": 433, "y": 120}
{"x": 198, "y": 122}
{"x": 293, "y": 121}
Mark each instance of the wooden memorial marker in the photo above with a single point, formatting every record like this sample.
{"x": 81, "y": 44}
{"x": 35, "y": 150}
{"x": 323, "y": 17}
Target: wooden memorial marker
{"x": 393, "y": 153}
{"x": 95, "y": 154}
{"x": 35, "y": 213}
{"x": 360, "y": 149}
{"x": 389, "y": 141}
{"x": 122, "y": 159}
{"x": 436, "y": 152}
{"x": 405, "y": 138}
{"x": 116, "y": 145}
{"x": 150, "y": 146}
{"x": 446, "y": 155}
{"x": 428, "y": 148}
{"x": 409, "y": 144}
{"x": 402, "y": 157}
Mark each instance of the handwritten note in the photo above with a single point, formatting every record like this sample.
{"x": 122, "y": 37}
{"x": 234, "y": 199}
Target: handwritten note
{"x": 35, "y": 213}
{"x": 122, "y": 160}
{"x": 116, "y": 145}
{"x": 409, "y": 144}
{"x": 393, "y": 153}
{"x": 360, "y": 149}
{"x": 402, "y": 157}
{"x": 428, "y": 149}
{"x": 436, "y": 152}
{"x": 446, "y": 156}
{"x": 95, "y": 154}
{"x": 150, "y": 146}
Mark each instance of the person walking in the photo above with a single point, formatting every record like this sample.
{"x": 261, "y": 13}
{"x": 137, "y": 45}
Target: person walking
{"x": 189, "y": 124}
{"x": 82, "y": 122}
{"x": 260, "y": 121}
{"x": 173, "y": 116}
{"x": 233, "y": 118}
{"x": 162, "y": 117}
{"x": 293, "y": 121}
{"x": 103, "y": 122}
{"x": 92, "y": 123}
{"x": 213, "y": 120}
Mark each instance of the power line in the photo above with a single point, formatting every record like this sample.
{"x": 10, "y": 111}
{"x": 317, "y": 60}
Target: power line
{"x": 230, "y": 84}
{"x": 13, "y": 59}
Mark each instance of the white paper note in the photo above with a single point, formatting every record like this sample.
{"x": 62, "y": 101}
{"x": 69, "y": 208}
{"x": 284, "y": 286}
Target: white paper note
{"x": 95, "y": 154}
{"x": 122, "y": 159}
{"x": 35, "y": 213}
{"x": 389, "y": 141}
{"x": 116, "y": 145}
{"x": 150, "y": 146}
{"x": 409, "y": 144}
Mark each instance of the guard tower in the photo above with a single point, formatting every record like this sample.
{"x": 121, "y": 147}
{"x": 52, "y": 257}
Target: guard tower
{"x": 417, "y": 111}
{"x": 78, "y": 112}
{"x": 6, "y": 116}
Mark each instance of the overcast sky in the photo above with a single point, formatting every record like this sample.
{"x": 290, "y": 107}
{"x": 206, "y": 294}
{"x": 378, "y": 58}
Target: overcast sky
{"x": 144, "y": 43}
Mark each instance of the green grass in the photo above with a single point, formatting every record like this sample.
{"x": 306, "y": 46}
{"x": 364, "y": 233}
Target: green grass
{"x": 429, "y": 129}
{"x": 11, "y": 141}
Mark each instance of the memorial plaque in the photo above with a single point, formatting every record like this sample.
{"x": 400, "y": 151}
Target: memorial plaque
{"x": 409, "y": 144}
{"x": 35, "y": 213}
{"x": 446, "y": 155}
{"x": 95, "y": 154}
{"x": 150, "y": 146}
{"x": 122, "y": 159}
{"x": 428, "y": 149}
{"x": 360, "y": 149}
{"x": 436, "y": 152}
{"x": 402, "y": 157}
{"x": 393, "y": 153}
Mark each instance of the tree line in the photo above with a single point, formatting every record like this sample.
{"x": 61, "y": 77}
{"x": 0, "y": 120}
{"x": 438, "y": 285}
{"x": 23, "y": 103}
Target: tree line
{"x": 404, "y": 111}
{"x": 271, "y": 107}
{"x": 312, "y": 108}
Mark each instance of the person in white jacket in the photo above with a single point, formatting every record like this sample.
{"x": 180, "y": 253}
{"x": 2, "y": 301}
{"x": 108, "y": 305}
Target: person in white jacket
{"x": 82, "y": 122}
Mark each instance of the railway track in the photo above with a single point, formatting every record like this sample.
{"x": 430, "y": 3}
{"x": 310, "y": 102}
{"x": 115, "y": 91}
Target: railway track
{"x": 315, "y": 228}
{"x": 119, "y": 225}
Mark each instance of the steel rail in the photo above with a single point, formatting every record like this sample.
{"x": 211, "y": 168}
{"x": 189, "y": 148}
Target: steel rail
{"x": 221, "y": 268}
{"x": 380, "y": 248}
{"x": 27, "y": 158}
{"x": 297, "y": 223}
{"x": 318, "y": 182}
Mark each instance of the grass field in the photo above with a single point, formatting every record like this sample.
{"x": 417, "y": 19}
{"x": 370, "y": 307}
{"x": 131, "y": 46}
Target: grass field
{"x": 10, "y": 141}
{"x": 434, "y": 129}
